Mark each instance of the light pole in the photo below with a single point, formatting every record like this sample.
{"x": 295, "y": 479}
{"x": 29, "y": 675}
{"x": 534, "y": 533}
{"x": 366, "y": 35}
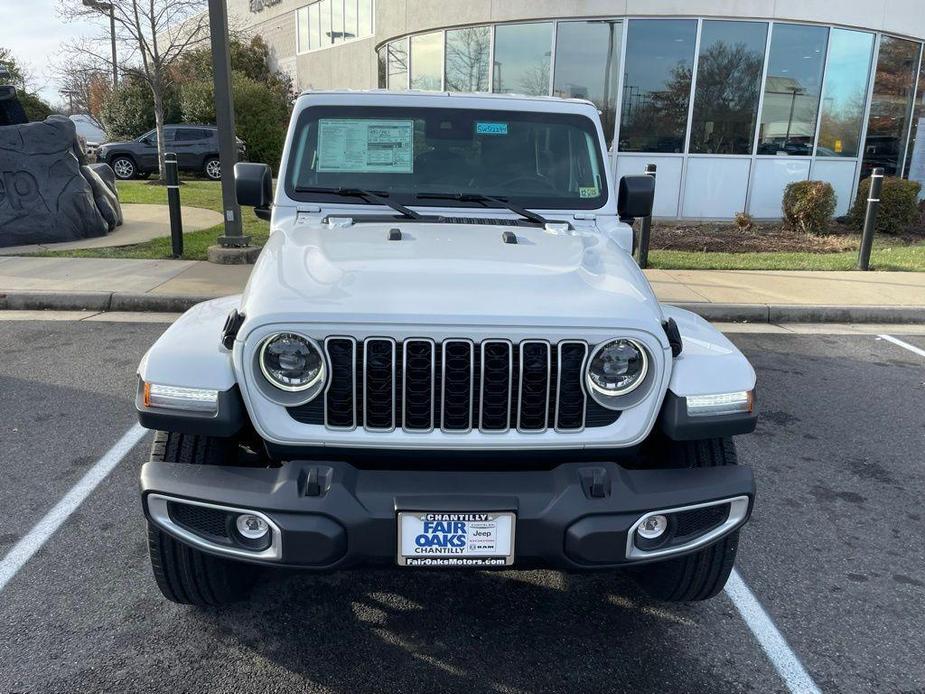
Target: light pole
{"x": 234, "y": 237}
{"x": 108, "y": 7}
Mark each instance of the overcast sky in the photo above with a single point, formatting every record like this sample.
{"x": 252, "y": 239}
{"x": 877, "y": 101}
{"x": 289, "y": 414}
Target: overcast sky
{"x": 35, "y": 34}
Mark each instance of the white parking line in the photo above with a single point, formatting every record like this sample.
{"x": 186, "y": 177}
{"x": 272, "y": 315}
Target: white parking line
{"x": 32, "y": 541}
{"x": 772, "y": 642}
{"x": 904, "y": 345}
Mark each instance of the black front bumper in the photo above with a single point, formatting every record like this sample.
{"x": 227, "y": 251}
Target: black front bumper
{"x": 335, "y": 515}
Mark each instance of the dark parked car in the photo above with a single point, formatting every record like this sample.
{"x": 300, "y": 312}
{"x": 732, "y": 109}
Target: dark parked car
{"x": 196, "y": 147}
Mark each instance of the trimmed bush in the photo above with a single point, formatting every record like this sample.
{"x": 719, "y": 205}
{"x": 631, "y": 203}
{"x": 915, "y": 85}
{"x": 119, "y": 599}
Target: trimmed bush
{"x": 744, "y": 221}
{"x": 899, "y": 205}
{"x": 809, "y": 205}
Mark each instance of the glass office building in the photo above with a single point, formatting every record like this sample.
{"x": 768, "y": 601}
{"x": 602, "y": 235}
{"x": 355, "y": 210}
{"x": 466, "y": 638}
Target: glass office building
{"x": 730, "y": 109}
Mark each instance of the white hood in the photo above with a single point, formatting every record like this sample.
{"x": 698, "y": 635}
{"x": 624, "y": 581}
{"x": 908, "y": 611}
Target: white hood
{"x": 461, "y": 274}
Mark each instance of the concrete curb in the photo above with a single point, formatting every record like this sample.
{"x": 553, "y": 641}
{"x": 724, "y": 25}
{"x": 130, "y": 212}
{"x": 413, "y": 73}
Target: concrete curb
{"x": 727, "y": 313}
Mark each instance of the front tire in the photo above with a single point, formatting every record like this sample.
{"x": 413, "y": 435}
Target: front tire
{"x": 212, "y": 168}
{"x": 701, "y": 575}
{"x": 185, "y": 575}
{"x": 124, "y": 167}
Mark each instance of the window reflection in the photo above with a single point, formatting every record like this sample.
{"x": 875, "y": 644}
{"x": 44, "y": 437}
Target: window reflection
{"x": 845, "y": 93}
{"x": 522, "y": 57}
{"x": 657, "y": 84}
{"x": 337, "y": 21}
{"x": 728, "y": 86}
{"x": 915, "y": 158}
{"x": 588, "y": 65}
{"x": 791, "y": 90}
{"x": 350, "y": 20}
{"x": 427, "y": 61}
{"x": 382, "y": 73}
{"x": 365, "y": 18}
{"x": 397, "y": 64}
{"x": 467, "y": 55}
{"x": 890, "y": 106}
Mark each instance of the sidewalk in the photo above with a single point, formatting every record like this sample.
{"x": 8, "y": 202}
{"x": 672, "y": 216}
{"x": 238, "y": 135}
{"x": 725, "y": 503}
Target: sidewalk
{"x": 101, "y": 284}
{"x": 142, "y": 222}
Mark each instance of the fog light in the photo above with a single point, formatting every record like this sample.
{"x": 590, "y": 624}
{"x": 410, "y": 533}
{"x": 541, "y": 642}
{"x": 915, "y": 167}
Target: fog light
{"x": 252, "y": 527}
{"x": 653, "y": 527}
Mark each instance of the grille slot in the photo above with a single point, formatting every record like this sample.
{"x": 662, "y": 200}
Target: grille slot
{"x": 497, "y": 368}
{"x": 340, "y": 395}
{"x": 570, "y": 408}
{"x": 456, "y": 386}
{"x": 533, "y": 399}
{"x": 418, "y": 370}
{"x": 379, "y": 388}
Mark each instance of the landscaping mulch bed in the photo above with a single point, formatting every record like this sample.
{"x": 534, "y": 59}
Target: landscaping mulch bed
{"x": 725, "y": 237}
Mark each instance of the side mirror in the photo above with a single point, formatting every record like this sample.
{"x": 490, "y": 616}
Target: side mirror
{"x": 253, "y": 187}
{"x": 636, "y": 197}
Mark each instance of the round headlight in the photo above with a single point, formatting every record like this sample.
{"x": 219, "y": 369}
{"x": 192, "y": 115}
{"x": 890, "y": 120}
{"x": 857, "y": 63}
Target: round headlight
{"x": 291, "y": 362}
{"x": 617, "y": 368}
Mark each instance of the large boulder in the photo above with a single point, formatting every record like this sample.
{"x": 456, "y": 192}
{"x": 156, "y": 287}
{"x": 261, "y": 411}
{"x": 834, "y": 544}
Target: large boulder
{"x": 44, "y": 198}
{"x": 106, "y": 199}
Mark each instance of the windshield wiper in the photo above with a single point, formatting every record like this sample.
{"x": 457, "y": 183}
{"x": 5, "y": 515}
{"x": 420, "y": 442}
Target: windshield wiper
{"x": 379, "y": 196}
{"x": 479, "y": 197}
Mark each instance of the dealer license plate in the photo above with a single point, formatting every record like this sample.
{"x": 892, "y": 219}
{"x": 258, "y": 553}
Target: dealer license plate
{"x": 455, "y": 539}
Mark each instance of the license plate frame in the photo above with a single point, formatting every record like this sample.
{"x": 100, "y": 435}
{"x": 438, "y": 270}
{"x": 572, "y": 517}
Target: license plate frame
{"x": 497, "y": 548}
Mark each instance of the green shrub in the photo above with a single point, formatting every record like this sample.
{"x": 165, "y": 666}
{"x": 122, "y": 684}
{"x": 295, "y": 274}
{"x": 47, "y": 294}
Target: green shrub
{"x": 899, "y": 208}
{"x": 261, "y": 114}
{"x": 809, "y": 205}
{"x": 129, "y": 110}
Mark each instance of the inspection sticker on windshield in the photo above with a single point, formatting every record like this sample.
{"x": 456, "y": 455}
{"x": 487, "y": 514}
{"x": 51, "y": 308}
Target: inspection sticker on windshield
{"x": 365, "y": 146}
{"x": 484, "y": 128}
{"x": 455, "y": 539}
{"x": 587, "y": 192}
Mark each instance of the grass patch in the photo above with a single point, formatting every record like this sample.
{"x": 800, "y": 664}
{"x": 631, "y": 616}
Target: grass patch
{"x": 193, "y": 193}
{"x": 910, "y": 258}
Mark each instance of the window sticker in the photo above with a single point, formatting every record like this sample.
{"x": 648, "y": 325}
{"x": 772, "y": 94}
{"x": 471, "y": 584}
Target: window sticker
{"x": 588, "y": 192}
{"x": 485, "y": 128}
{"x": 365, "y": 146}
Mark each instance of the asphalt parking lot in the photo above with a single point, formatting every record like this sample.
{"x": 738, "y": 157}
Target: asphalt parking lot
{"x": 835, "y": 553}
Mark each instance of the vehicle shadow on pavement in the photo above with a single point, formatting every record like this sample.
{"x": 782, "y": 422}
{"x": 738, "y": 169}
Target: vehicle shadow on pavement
{"x": 390, "y": 630}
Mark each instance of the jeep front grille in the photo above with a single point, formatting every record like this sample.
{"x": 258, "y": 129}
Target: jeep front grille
{"x": 456, "y": 386}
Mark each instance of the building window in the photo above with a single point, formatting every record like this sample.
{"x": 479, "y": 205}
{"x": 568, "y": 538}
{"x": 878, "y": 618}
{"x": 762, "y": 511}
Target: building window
{"x": 327, "y": 22}
{"x": 657, "y": 84}
{"x": 337, "y": 21}
{"x": 728, "y": 86}
{"x": 467, "y": 55}
{"x": 915, "y": 158}
{"x": 844, "y": 93}
{"x": 365, "y": 18}
{"x": 791, "y": 90}
{"x": 891, "y": 105}
{"x": 427, "y": 61}
{"x": 351, "y": 30}
{"x": 303, "y": 35}
{"x": 521, "y": 59}
{"x": 588, "y": 65}
{"x": 397, "y": 64}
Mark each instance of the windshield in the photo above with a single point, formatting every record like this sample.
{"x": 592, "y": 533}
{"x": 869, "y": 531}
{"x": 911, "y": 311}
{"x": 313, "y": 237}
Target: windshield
{"x": 540, "y": 160}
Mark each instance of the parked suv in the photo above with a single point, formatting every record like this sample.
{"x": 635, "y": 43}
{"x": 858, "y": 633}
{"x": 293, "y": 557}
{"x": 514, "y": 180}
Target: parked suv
{"x": 196, "y": 147}
{"x": 445, "y": 357}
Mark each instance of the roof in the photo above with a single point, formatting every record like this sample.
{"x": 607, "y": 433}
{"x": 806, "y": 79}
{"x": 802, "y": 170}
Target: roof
{"x": 444, "y": 95}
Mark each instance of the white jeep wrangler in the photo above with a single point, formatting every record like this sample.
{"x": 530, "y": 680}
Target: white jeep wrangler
{"x": 445, "y": 357}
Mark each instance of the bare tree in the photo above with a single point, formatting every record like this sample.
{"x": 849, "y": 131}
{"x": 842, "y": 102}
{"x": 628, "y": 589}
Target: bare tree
{"x": 152, "y": 35}
{"x": 86, "y": 82}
